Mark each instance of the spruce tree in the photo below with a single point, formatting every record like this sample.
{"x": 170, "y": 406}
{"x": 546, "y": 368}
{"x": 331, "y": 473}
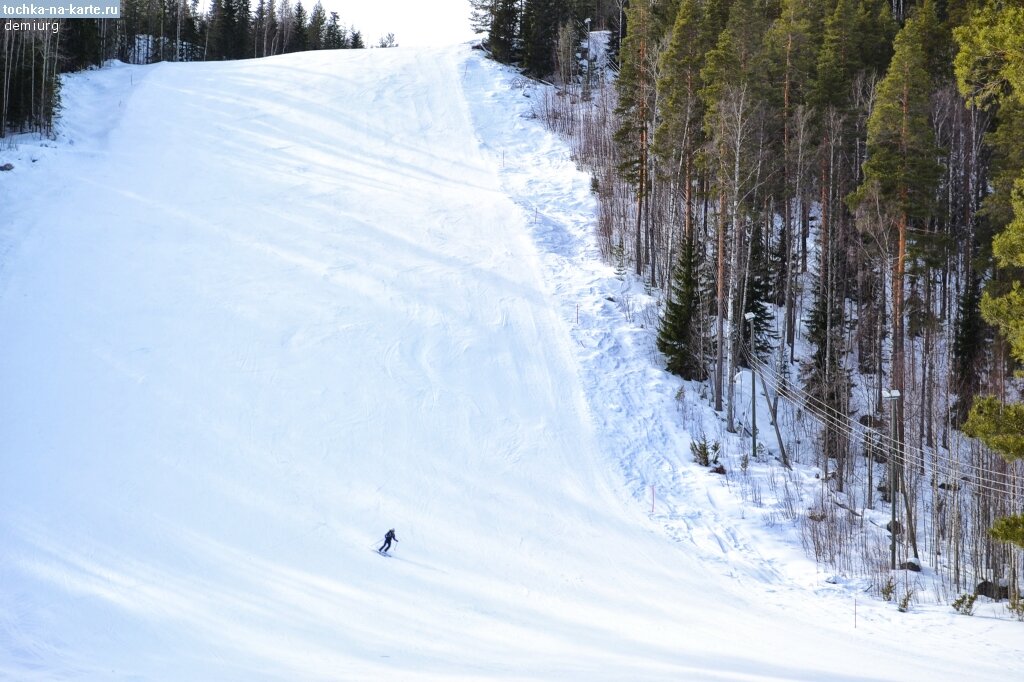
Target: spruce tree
{"x": 968, "y": 348}
{"x": 300, "y": 30}
{"x": 217, "y": 27}
{"x": 481, "y": 14}
{"x": 242, "y": 35}
{"x": 875, "y": 32}
{"x": 540, "y": 33}
{"x": 317, "y": 27}
{"x": 334, "y": 34}
{"x": 502, "y": 36}
{"x": 80, "y": 44}
{"x": 757, "y": 295}
{"x": 679, "y": 336}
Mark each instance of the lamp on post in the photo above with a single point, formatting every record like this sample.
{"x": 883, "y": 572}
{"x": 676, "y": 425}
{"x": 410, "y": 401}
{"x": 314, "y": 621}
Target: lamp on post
{"x": 749, "y": 317}
{"x": 590, "y": 63}
{"x": 891, "y": 397}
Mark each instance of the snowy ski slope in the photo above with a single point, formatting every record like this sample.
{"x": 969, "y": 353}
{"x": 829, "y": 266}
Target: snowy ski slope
{"x": 253, "y": 314}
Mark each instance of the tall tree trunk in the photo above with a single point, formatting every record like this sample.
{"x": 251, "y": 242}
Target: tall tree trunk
{"x": 720, "y": 335}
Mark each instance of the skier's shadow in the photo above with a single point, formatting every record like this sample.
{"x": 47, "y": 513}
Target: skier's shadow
{"x": 418, "y": 564}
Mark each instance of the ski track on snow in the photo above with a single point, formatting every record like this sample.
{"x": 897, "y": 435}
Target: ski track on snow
{"x": 254, "y": 313}
{"x": 616, "y": 358}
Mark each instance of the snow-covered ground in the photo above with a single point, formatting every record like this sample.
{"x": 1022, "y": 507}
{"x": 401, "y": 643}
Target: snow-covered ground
{"x": 253, "y": 314}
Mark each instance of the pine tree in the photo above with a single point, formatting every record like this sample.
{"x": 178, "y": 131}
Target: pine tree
{"x": 989, "y": 64}
{"x": 733, "y": 94}
{"x": 738, "y": 56}
{"x": 636, "y": 110}
{"x": 792, "y": 45}
{"x": 679, "y": 134}
{"x": 836, "y": 64}
{"x": 902, "y": 154}
{"x": 902, "y": 168}
{"x": 648, "y": 23}
{"x": 680, "y": 80}
{"x": 1000, "y": 426}
{"x": 858, "y": 36}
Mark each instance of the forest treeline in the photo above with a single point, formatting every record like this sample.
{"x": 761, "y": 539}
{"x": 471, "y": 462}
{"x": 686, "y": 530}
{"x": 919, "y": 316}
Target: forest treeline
{"x": 831, "y": 191}
{"x": 32, "y": 60}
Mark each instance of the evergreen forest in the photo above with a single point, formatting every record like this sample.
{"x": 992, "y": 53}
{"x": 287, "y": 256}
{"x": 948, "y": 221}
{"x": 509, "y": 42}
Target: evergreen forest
{"x": 148, "y": 31}
{"x": 828, "y": 195}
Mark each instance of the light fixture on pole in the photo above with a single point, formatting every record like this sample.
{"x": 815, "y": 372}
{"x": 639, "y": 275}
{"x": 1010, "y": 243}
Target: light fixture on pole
{"x": 891, "y": 397}
{"x": 590, "y": 63}
{"x": 749, "y": 317}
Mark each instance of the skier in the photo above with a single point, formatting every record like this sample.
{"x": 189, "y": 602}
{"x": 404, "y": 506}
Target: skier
{"x": 388, "y": 537}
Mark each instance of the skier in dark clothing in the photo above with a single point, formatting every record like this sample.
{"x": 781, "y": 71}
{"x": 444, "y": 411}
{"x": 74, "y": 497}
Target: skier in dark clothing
{"x": 388, "y": 537}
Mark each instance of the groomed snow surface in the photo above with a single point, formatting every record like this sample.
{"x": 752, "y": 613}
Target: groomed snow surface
{"x": 253, "y": 314}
